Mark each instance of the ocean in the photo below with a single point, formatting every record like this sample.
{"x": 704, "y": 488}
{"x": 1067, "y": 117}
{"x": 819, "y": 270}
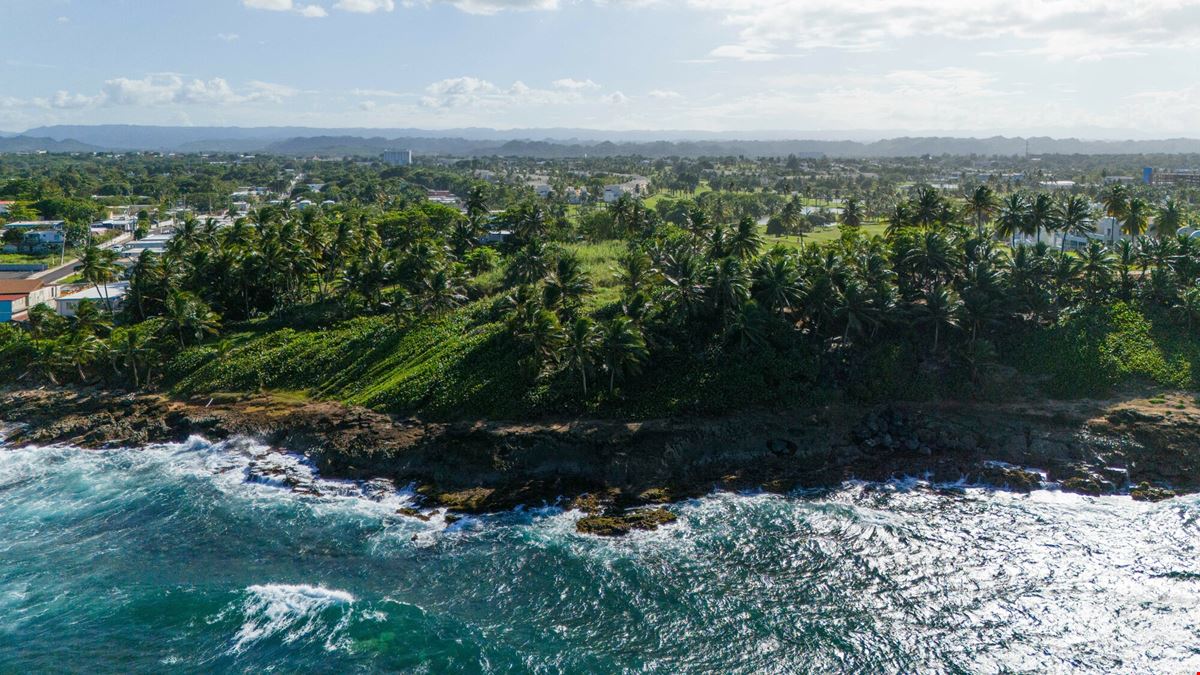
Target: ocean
{"x": 168, "y": 559}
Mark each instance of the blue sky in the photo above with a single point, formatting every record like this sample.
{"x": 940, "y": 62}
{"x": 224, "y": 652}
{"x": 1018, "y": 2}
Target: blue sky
{"x": 1094, "y": 68}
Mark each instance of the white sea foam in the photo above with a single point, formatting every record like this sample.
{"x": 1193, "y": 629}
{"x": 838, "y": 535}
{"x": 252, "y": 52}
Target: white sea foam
{"x": 290, "y": 612}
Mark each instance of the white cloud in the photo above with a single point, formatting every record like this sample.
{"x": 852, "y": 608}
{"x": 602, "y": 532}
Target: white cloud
{"x": 308, "y": 11}
{"x": 270, "y": 5}
{"x": 664, "y": 94}
{"x": 365, "y": 6}
{"x": 574, "y": 85}
{"x": 743, "y": 53}
{"x": 377, "y": 93}
{"x": 617, "y": 98}
{"x": 464, "y": 92}
{"x": 66, "y": 100}
{"x": 497, "y": 6}
{"x": 227, "y": 37}
{"x": 1073, "y": 29}
{"x": 162, "y": 90}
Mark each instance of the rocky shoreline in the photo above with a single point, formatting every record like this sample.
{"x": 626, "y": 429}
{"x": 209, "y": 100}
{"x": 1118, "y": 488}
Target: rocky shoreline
{"x": 621, "y": 473}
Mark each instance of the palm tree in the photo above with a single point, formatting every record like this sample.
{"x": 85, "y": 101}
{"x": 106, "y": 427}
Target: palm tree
{"x": 746, "y": 240}
{"x": 1074, "y": 217}
{"x": 684, "y": 276}
{"x": 900, "y": 217}
{"x": 188, "y": 316}
{"x": 776, "y": 283}
{"x": 476, "y": 205}
{"x": 129, "y": 346}
{"x": 927, "y": 206}
{"x": 1116, "y": 202}
{"x": 538, "y": 328}
{"x": 1137, "y": 215}
{"x": 1169, "y": 220}
{"x": 1014, "y": 213}
{"x": 1126, "y": 254}
{"x": 99, "y": 267}
{"x": 1097, "y": 268}
{"x": 855, "y": 310}
{"x": 1188, "y": 306}
{"x": 933, "y": 258}
{"x": 581, "y": 342}
{"x": 622, "y": 349}
{"x": 634, "y": 272}
{"x": 727, "y": 285}
{"x": 442, "y": 289}
{"x": 565, "y": 285}
{"x": 981, "y": 207}
{"x": 80, "y": 349}
{"x": 940, "y": 308}
{"x": 745, "y": 327}
{"x": 852, "y": 213}
{"x": 529, "y": 264}
{"x": 1042, "y": 216}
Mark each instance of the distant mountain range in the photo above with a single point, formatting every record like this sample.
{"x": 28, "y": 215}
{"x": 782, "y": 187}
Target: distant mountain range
{"x": 22, "y": 143}
{"x": 548, "y": 143}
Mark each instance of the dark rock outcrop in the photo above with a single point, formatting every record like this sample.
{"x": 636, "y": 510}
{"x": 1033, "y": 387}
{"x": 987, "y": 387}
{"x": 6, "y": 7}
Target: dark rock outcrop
{"x": 1090, "y": 447}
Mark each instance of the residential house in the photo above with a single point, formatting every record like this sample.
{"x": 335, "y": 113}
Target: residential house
{"x": 42, "y": 241}
{"x": 12, "y": 304}
{"x": 114, "y": 294}
{"x": 35, "y": 225}
{"x": 1106, "y": 230}
{"x": 17, "y": 296}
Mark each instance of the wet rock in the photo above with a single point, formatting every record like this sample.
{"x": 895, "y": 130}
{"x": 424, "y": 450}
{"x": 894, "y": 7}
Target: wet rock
{"x": 413, "y": 513}
{"x": 1011, "y": 477}
{"x": 1088, "y": 485}
{"x": 1146, "y": 492}
{"x": 617, "y": 525}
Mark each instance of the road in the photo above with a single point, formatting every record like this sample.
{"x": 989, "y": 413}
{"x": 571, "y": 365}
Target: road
{"x": 54, "y": 274}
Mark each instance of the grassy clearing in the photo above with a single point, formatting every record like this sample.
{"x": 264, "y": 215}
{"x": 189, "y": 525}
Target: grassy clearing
{"x": 462, "y": 363}
{"x": 823, "y": 235}
{"x": 49, "y": 259}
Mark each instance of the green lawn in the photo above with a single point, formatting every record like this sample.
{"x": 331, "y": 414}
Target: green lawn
{"x": 49, "y": 260}
{"x": 824, "y": 235}
{"x": 599, "y": 261}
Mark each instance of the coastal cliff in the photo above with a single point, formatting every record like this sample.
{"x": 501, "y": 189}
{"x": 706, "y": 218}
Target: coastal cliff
{"x": 1148, "y": 447}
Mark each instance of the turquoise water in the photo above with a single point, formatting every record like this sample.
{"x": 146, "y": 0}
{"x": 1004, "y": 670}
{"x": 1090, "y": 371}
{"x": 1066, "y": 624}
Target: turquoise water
{"x": 165, "y": 559}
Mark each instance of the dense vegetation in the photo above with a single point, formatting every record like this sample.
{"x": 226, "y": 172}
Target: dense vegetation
{"x": 401, "y": 310}
{"x": 639, "y": 307}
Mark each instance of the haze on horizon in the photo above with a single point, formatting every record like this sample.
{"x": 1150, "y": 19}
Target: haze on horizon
{"x": 1087, "y": 68}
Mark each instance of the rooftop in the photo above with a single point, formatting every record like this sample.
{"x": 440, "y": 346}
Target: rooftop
{"x": 114, "y": 290}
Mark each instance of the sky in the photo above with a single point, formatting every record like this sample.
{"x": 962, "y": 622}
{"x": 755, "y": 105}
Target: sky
{"x": 832, "y": 68}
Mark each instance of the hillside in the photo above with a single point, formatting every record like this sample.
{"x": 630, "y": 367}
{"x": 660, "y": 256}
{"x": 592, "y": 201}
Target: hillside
{"x": 556, "y": 143}
{"x": 465, "y": 364}
{"x": 36, "y": 144}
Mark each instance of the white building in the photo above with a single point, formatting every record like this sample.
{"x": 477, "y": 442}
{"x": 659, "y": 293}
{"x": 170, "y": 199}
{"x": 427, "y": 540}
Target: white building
{"x": 398, "y": 157}
{"x": 114, "y": 294}
{"x": 1106, "y": 230}
{"x": 35, "y": 225}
